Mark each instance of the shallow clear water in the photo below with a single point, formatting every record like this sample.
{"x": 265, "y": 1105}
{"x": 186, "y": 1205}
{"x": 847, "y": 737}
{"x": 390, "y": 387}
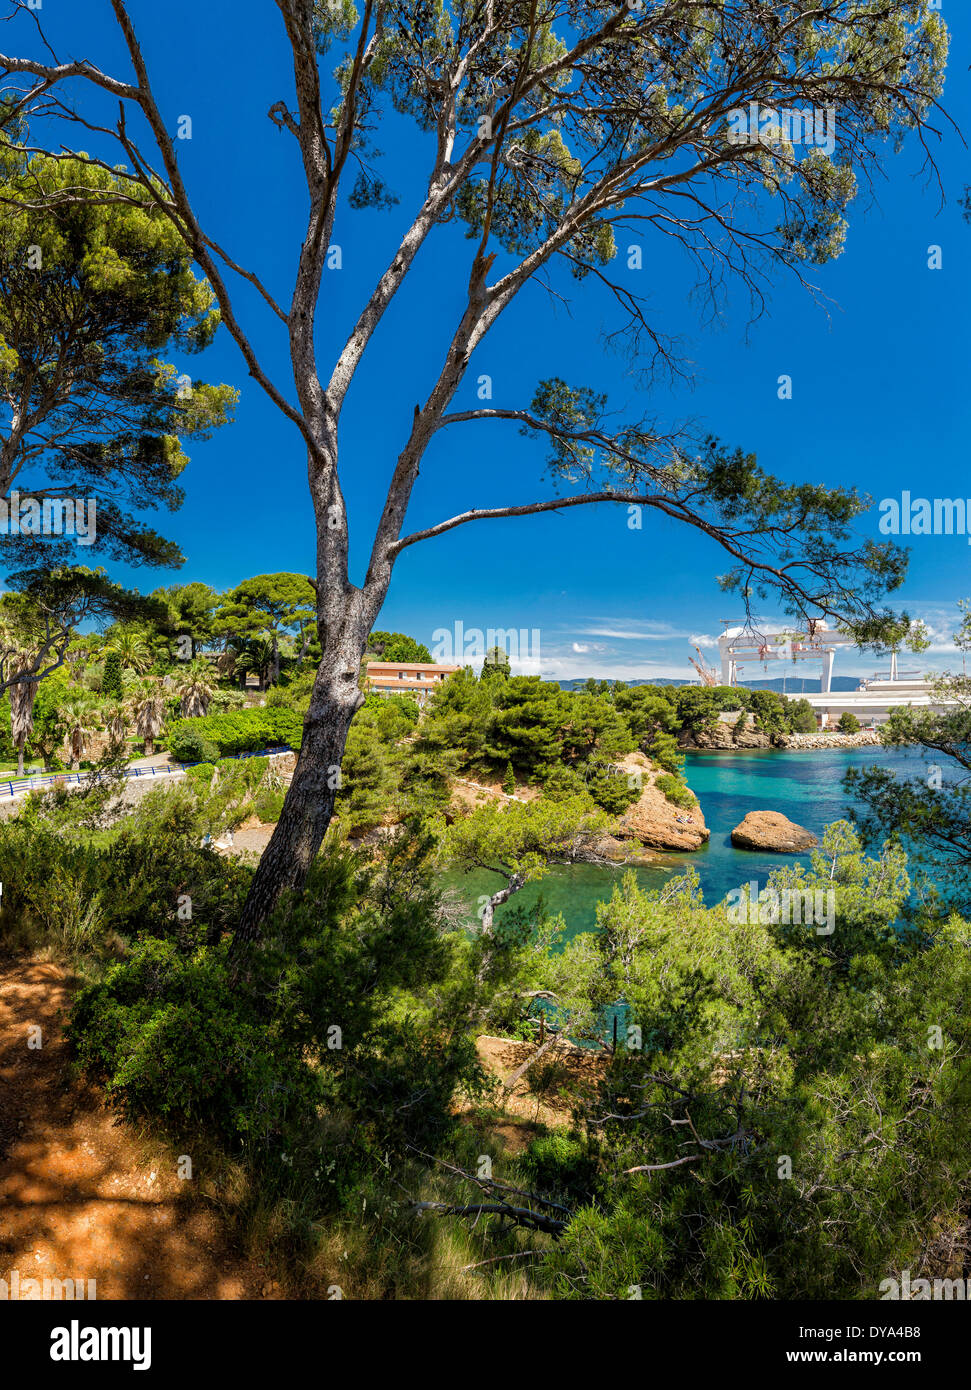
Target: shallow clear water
{"x": 805, "y": 786}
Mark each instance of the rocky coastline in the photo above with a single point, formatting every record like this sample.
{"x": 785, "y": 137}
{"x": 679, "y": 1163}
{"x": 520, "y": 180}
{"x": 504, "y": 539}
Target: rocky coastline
{"x": 724, "y": 738}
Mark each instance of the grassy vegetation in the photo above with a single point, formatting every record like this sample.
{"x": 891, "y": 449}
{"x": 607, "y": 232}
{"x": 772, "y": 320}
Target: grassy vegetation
{"x": 350, "y": 1135}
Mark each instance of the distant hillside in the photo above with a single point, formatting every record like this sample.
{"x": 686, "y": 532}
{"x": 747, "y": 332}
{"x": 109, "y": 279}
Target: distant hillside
{"x": 790, "y": 685}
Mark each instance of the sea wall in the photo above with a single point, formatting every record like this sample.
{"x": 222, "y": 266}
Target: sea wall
{"x": 866, "y": 738}
{"x": 722, "y": 737}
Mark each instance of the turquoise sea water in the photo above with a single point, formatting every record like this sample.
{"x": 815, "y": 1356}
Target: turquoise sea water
{"x": 805, "y": 786}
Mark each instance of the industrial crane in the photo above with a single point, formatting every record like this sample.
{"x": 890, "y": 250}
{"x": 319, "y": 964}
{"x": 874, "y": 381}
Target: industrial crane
{"x": 707, "y": 673}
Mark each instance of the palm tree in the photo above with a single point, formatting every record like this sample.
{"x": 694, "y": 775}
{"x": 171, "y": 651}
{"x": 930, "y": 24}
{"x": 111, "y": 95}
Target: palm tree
{"x": 116, "y": 721}
{"x": 133, "y": 649}
{"x": 18, "y": 658}
{"x": 79, "y": 713}
{"x": 255, "y": 654}
{"x": 22, "y": 696}
{"x": 148, "y": 708}
{"x": 195, "y": 687}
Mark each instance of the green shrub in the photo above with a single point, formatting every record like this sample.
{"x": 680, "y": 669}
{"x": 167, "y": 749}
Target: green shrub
{"x": 201, "y": 772}
{"x": 173, "y": 1038}
{"x": 848, "y": 723}
{"x": 676, "y": 791}
{"x": 249, "y": 1056}
{"x": 802, "y": 717}
{"x": 610, "y": 788}
{"x": 227, "y": 700}
{"x": 663, "y": 750}
{"x": 564, "y": 783}
{"x": 241, "y": 731}
{"x": 147, "y": 875}
{"x": 188, "y": 745}
{"x": 111, "y": 687}
{"x": 269, "y": 804}
{"x": 292, "y": 694}
{"x": 561, "y": 1167}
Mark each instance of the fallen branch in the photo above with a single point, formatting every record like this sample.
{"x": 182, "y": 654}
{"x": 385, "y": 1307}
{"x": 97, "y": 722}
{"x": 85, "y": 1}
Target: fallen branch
{"x": 522, "y": 1216}
{"x": 517, "y": 1255}
{"x": 521, "y": 1071}
{"x": 490, "y": 1183}
{"x": 658, "y": 1167}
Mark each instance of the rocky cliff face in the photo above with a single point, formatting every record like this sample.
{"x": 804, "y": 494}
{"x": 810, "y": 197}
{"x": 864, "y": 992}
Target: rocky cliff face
{"x": 655, "y": 821}
{"x": 723, "y": 736}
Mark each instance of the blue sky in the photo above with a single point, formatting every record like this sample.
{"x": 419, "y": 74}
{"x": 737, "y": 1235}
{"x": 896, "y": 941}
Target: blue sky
{"x": 879, "y": 371}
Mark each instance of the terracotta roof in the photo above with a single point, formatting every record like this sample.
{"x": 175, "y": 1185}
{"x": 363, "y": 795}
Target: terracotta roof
{"x": 388, "y": 666}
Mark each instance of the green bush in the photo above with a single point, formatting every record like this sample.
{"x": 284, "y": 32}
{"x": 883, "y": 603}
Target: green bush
{"x": 610, "y": 788}
{"x": 269, "y": 804}
{"x": 250, "y": 1057}
{"x": 111, "y": 686}
{"x": 676, "y": 791}
{"x": 241, "y": 731}
{"x": 848, "y": 723}
{"x": 663, "y": 750}
{"x": 149, "y": 875}
{"x": 563, "y": 784}
{"x": 802, "y": 717}
{"x": 226, "y": 700}
{"x": 201, "y": 772}
{"x": 188, "y": 745}
{"x": 560, "y": 1166}
{"x": 171, "y": 1037}
{"x": 292, "y": 694}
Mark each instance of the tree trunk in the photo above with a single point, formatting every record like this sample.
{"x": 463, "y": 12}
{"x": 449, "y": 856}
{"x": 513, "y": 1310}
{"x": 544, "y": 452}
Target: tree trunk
{"x": 149, "y": 747}
{"x": 309, "y": 803}
{"x": 20, "y": 757}
{"x": 487, "y": 914}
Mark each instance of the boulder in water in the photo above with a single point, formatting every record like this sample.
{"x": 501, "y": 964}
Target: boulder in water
{"x": 770, "y": 830}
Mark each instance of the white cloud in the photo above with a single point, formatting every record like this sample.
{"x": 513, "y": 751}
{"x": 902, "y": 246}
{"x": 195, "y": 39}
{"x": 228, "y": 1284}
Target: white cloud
{"x": 625, "y": 635}
{"x": 565, "y": 667}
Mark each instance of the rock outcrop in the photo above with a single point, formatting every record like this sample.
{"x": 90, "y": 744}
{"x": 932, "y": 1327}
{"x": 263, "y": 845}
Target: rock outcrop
{"x": 653, "y": 820}
{"x": 770, "y": 830}
{"x": 723, "y": 735}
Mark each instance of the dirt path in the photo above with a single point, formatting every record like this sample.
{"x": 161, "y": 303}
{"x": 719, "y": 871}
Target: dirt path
{"x": 82, "y": 1196}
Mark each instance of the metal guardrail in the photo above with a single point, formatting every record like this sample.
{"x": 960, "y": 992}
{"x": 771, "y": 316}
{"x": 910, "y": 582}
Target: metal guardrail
{"x": 19, "y": 786}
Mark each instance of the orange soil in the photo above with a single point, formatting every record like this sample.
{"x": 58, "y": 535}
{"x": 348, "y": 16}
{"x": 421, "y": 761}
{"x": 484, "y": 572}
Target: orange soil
{"x": 82, "y": 1196}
